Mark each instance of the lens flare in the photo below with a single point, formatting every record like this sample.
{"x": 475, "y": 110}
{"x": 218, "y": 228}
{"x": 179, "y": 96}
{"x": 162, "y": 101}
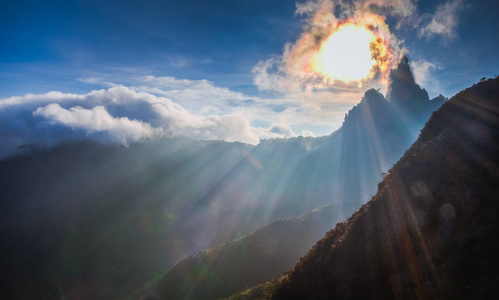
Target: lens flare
{"x": 352, "y": 53}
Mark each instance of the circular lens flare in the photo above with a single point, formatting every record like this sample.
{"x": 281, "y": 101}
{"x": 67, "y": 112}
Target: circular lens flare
{"x": 347, "y": 54}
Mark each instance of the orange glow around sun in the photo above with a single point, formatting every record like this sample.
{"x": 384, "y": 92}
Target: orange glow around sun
{"x": 352, "y": 53}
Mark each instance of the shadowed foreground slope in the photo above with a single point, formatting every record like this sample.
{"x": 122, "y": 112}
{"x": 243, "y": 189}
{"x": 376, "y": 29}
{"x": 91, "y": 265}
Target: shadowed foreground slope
{"x": 431, "y": 230}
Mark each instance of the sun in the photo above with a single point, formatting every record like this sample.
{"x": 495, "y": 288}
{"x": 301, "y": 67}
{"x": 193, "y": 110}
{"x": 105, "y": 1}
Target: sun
{"x": 347, "y": 54}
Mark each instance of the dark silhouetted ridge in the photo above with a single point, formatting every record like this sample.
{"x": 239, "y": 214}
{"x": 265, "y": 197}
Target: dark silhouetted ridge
{"x": 430, "y": 232}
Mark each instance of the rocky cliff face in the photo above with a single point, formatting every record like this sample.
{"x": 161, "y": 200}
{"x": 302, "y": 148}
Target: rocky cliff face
{"x": 408, "y": 98}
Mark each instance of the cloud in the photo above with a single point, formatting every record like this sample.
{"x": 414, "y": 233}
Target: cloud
{"x": 444, "y": 22}
{"x": 132, "y": 108}
{"x": 281, "y": 129}
{"x": 118, "y": 115}
{"x": 291, "y": 72}
{"x": 404, "y": 9}
{"x": 98, "y": 120}
{"x": 194, "y": 95}
{"x": 300, "y": 109}
{"x": 230, "y": 127}
{"x": 30, "y": 99}
{"x": 307, "y": 133}
{"x": 422, "y": 69}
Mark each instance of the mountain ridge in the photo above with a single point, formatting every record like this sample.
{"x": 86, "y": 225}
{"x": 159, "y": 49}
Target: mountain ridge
{"x": 429, "y": 231}
{"x": 99, "y": 220}
{"x": 245, "y": 261}
{"x": 372, "y": 136}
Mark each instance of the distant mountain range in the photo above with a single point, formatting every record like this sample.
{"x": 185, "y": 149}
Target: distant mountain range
{"x": 430, "y": 232}
{"x": 93, "y": 221}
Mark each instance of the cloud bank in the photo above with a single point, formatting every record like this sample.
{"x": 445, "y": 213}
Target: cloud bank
{"x": 119, "y": 115}
{"x": 134, "y": 107}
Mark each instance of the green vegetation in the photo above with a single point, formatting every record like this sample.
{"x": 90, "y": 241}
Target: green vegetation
{"x": 258, "y": 292}
{"x": 255, "y": 258}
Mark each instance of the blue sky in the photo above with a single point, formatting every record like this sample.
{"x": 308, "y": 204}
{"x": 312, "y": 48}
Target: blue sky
{"x": 51, "y": 43}
{"x": 206, "y": 57}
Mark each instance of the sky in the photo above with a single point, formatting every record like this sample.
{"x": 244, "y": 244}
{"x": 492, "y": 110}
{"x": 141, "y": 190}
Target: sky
{"x": 237, "y": 70}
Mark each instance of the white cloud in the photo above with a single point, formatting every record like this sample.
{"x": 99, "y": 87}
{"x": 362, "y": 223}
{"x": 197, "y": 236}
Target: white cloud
{"x": 400, "y": 8}
{"x": 98, "y": 119}
{"x": 423, "y": 73}
{"x": 203, "y": 98}
{"x": 422, "y": 70}
{"x": 134, "y": 107}
{"x": 307, "y": 133}
{"x": 191, "y": 94}
{"x": 443, "y": 22}
{"x": 118, "y": 114}
{"x": 267, "y": 79}
{"x": 30, "y": 99}
{"x": 281, "y": 129}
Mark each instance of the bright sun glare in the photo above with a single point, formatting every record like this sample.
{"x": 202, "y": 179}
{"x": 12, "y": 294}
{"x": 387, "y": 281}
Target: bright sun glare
{"x": 346, "y": 54}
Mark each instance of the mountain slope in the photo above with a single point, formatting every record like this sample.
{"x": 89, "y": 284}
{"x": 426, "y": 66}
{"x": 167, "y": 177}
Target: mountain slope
{"x": 431, "y": 230}
{"x": 260, "y": 256}
{"x": 310, "y": 172}
{"x": 370, "y": 140}
{"x": 87, "y": 220}
{"x": 409, "y": 100}
{"x": 94, "y": 221}
{"x": 373, "y": 136}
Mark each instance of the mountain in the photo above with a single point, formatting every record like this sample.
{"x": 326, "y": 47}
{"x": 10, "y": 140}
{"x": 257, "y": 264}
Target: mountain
{"x": 374, "y": 135}
{"x": 257, "y": 257}
{"x": 409, "y": 100}
{"x": 343, "y": 169}
{"x": 430, "y": 232}
{"x": 86, "y": 220}
{"x": 90, "y": 220}
{"x": 370, "y": 140}
{"x": 93, "y": 221}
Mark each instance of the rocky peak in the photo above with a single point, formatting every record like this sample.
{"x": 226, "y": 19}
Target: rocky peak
{"x": 406, "y": 96}
{"x": 402, "y": 73}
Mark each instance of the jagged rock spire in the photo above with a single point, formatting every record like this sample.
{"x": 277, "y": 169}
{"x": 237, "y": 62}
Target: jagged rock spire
{"x": 406, "y": 96}
{"x": 402, "y": 87}
{"x": 402, "y": 72}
